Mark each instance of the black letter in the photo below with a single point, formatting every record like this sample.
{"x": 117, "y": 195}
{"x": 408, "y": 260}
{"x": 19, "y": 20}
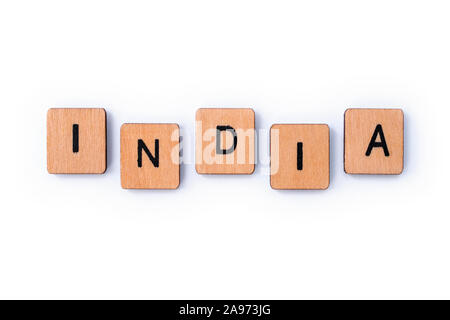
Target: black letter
{"x": 142, "y": 146}
{"x": 75, "y": 146}
{"x": 372, "y": 144}
{"x": 233, "y": 132}
{"x": 299, "y": 155}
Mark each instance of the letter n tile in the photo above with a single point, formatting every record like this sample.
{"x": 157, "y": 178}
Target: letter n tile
{"x": 150, "y": 156}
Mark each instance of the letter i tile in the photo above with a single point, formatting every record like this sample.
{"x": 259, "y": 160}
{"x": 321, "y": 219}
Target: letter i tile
{"x": 76, "y": 140}
{"x": 300, "y": 156}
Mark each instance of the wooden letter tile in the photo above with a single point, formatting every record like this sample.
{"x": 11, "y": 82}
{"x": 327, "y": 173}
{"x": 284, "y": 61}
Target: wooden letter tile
{"x": 76, "y": 140}
{"x": 299, "y": 156}
{"x": 225, "y": 141}
{"x": 150, "y": 156}
{"x": 373, "y": 141}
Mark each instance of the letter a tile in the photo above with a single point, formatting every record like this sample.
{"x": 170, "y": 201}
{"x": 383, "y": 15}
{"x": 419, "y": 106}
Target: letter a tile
{"x": 150, "y": 156}
{"x": 300, "y": 156}
{"x": 225, "y": 141}
{"x": 373, "y": 141}
{"x": 76, "y": 140}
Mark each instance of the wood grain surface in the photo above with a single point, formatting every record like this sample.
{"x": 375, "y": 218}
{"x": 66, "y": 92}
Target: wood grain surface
{"x": 315, "y": 168}
{"x": 360, "y": 125}
{"x": 90, "y": 155}
{"x": 242, "y": 159}
{"x": 167, "y": 174}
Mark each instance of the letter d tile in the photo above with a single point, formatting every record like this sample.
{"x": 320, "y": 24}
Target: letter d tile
{"x": 225, "y": 141}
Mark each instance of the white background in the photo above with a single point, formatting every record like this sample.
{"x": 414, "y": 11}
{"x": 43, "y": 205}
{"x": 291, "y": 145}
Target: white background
{"x": 224, "y": 236}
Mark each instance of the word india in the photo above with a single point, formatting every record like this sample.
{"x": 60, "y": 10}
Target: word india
{"x": 225, "y": 144}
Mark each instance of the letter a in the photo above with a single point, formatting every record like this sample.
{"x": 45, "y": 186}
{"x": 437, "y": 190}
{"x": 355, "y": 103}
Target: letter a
{"x": 381, "y": 144}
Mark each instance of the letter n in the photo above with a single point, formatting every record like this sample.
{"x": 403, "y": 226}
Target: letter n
{"x": 153, "y": 159}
